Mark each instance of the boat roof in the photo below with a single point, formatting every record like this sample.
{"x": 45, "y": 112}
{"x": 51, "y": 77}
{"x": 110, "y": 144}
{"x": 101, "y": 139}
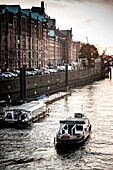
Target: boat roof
{"x": 31, "y": 106}
{"x": 72, "y": 121}
{"x": 16, "y": 110}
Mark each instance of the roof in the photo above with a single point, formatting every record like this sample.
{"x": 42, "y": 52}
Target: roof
{"x": 26, "y": 11}
{"x": 72, "y": 121}
{"x": 15, "y": 8}
{"x": 60, "y": 34}
{"x": 34, "y": 15}
{"x": 2, "y": 8}
{"x": 10, "y": 8}
{"x": 32, "y": 106}
{"x": 41, "y": 18}
{"x": 64, "y": 32}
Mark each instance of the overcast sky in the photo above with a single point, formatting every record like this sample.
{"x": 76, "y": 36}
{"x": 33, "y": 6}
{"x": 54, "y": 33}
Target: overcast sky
{"x": 88, "y": 18}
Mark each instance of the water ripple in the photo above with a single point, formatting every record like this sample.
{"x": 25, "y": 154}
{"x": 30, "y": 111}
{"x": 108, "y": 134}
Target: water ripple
{"x": 33, "y": 148}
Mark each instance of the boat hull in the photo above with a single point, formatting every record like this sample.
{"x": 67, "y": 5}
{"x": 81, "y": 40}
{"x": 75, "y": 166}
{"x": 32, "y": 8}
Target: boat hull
{"x": 71, "y": 142}
{"x": 75, "y": 142}
{"x": 16, "y": 124}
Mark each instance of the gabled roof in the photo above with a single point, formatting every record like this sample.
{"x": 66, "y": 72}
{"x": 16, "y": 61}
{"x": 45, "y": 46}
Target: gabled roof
{"x": 10, "y": 8}
{"x": 34, "y": 15}
{"x": 64, "y": 32}
{"x": 41, "y": 18}
{"x": 2, "y": 8}
{"x": 15, "y": 8}
{"x": 26, "y": 11}
{"x": 60, "y": 34}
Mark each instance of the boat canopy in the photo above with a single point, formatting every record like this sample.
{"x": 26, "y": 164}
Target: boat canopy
{"x": 72, "y": 122}
{"x": 31, "y": 106}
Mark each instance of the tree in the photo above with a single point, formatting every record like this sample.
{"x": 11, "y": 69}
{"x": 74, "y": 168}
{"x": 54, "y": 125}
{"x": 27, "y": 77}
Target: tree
{"x": 88, "y": 52}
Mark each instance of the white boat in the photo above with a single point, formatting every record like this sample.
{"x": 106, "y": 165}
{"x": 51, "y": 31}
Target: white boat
{"x": 25, "y": 114}
{"x": 17, "y": 118}
{"x": 73, "y": 131}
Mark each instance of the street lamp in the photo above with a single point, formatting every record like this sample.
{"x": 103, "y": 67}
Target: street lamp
{"x": 57, "y": 84}
{"x": 48, "y": 82}
{"x": 9, "y": 96}
{"x": 35, "y": 85}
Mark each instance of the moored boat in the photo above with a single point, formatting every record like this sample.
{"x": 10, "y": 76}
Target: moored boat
{"x": 19, "y": 118}
{"x": 26, "y": 114}
{"x": 73, "y": 131}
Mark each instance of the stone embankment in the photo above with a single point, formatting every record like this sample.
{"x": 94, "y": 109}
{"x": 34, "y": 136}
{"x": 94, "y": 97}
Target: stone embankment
{"x": 49, "y": 84}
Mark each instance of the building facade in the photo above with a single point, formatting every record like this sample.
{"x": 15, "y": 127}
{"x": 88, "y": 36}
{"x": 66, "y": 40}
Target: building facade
{"x": 30, "y": 38}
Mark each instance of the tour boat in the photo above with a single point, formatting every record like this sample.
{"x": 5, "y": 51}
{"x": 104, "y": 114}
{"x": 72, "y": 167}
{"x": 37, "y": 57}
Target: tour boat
{"x": 25, "y": 114}
{"x": 73, "y": 131}
{"x": 17, "y": 118}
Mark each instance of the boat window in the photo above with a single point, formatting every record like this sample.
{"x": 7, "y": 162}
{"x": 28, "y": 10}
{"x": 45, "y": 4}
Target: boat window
{"x": 15, "y": 116}
{"x": 23, "y": 116}
{"x": 78, "y": 115}
{"x": 79, "y": 127}
{"x": 9, "y": 116}
{"x": 65, "y": 127}
{"x": 70, "y": 128}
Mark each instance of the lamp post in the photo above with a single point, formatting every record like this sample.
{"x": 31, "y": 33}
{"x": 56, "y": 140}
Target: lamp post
{"x": 66, "y": 76}
{"x": 48, "y": 82}
{"x": 9, "y": 96}
{"x": 35, "y": 85}
{"x": 57, "y": 84}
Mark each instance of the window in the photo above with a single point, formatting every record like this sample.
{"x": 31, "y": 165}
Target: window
{"x": 9, "y": 116}
{"x": 79, "y": 127}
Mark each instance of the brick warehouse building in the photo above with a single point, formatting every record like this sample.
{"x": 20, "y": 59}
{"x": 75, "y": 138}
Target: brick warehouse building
{"x": 29, "y": 37}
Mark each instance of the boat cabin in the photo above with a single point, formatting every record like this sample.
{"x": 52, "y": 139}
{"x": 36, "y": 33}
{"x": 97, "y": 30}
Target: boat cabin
{"x": 79, "y": 115}
{"x": 73, "y": 131}
{"x": 34, "y": 107}
{"x": 13, "y": 115}
{"x": 73, "y": 127}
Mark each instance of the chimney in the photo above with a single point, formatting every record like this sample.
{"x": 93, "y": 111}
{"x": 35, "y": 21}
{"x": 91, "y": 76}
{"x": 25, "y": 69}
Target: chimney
{"x": 42, "y": 6}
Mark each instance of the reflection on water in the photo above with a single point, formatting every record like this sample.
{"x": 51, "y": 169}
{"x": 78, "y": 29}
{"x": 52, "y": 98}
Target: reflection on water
{"x": 33, "y": 148}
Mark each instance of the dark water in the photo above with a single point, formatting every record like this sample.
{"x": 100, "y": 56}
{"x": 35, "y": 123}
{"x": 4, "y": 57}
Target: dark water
{"x": 33, "y": 148}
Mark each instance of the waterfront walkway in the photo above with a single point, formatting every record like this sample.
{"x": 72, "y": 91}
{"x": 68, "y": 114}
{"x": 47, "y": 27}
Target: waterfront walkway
{"x": 57, "y": 96}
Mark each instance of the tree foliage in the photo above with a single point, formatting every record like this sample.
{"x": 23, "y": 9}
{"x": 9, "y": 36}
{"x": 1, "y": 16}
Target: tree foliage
{"x": 88, "y": 52}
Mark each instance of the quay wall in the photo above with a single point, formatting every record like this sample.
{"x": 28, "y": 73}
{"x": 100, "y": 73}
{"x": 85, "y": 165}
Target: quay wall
{"x": 49, "y": 83}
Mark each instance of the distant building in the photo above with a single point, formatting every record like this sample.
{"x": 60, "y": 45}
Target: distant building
{"x": 77, "y": 46}
{"x": 65, "y": 37}
{"x": 23, "y": 34}
{"x": 29, "y": 38}
{"x": 73, "y": 52}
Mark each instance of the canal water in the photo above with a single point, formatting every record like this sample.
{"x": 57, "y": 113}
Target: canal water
{"x": 33, "y": 148}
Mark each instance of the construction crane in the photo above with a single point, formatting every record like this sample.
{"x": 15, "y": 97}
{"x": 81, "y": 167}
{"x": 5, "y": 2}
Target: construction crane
{"x": 87, "y": 40}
